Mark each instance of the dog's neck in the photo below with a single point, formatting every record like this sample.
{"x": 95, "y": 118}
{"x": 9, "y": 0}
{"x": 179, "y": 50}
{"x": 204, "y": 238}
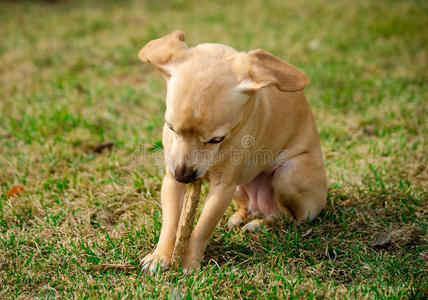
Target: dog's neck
{"x": 248, "y": 112}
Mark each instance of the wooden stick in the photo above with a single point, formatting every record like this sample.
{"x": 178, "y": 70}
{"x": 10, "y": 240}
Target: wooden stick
{"x": 185, "y": 224}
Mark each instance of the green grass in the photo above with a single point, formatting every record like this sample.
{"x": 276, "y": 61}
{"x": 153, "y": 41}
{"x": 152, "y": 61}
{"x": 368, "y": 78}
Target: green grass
{"x": 70, "y": 79}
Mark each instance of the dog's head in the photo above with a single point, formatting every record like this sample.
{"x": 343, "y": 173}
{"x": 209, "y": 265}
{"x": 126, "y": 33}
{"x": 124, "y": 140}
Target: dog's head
{"x": 208, "y": 90}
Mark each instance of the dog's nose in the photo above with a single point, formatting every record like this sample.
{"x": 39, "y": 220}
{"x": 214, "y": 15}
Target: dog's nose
{"x": 184, "y": 174}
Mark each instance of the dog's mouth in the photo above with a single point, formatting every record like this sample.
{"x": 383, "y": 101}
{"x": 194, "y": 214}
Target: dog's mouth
{"x": 186, "y": 178}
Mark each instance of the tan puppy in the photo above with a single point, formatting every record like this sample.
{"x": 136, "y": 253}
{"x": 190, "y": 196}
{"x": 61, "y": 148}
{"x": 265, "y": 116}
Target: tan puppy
{"x": 240, "y": 121}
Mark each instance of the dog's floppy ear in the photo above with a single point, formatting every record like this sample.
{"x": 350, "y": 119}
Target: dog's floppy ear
{"x": 265, "y": 69}
{"x": 164, "y": 51}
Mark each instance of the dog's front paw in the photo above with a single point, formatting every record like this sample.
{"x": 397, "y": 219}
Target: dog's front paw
{"x": 152, "y": 262}
{"x": 190, "y": 265}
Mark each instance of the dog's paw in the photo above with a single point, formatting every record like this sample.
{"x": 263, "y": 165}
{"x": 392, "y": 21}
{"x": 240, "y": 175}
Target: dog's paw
{"x": 153, "y": 262}
{"x": 253, "y": 226}
{"x": 190, "y": 265}
{"x": 235, "y": 220}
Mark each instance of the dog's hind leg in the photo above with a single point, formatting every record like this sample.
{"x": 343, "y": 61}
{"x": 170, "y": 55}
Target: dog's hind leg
{"x": 300, "y": 186}
{"x": 241, "y": 199}
{"x": 255, "y": 198}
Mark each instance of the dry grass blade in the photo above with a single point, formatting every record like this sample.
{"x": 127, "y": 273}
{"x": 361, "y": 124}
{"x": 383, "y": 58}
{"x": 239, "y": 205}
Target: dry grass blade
{"x": 105, "y": 267}
{"x": 191, "y": 200}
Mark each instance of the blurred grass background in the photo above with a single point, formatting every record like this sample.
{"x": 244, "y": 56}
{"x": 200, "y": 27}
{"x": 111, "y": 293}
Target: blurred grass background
{"x": 70, "y": 80}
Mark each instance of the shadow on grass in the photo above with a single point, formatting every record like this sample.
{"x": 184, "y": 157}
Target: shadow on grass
{"x": 350, "y": 242}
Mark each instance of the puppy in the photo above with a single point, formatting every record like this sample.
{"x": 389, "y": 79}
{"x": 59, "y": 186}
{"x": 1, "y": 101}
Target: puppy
{"x": 241, "y": 122}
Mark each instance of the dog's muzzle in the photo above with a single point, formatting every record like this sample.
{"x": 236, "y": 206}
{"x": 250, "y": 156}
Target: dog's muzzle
{"x": 184, "y": 174}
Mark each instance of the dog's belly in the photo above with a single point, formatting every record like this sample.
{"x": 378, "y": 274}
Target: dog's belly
{"x": 261, "y": 196}
{"x": 260, "y": 192}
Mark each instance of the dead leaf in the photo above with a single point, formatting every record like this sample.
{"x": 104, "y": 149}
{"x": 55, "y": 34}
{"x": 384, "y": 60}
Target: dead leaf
{"x": 15, "y": 190}
{"x": 418, "y": 170}
{"x": 103, "y": 146}
{"x": 369, "y": 129}
{"x": 381, "y": 241}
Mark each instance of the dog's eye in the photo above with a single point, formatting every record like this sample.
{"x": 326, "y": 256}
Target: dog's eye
{"x": 216, "y": 140}
{"x": 170, "y": 127}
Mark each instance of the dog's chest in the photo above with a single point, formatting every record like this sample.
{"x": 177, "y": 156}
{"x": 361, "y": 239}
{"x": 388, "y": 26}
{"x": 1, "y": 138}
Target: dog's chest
{"x": 249, "y": 171}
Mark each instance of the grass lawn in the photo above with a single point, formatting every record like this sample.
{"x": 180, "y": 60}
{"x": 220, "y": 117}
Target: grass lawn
{"x": 70, "y": 81}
